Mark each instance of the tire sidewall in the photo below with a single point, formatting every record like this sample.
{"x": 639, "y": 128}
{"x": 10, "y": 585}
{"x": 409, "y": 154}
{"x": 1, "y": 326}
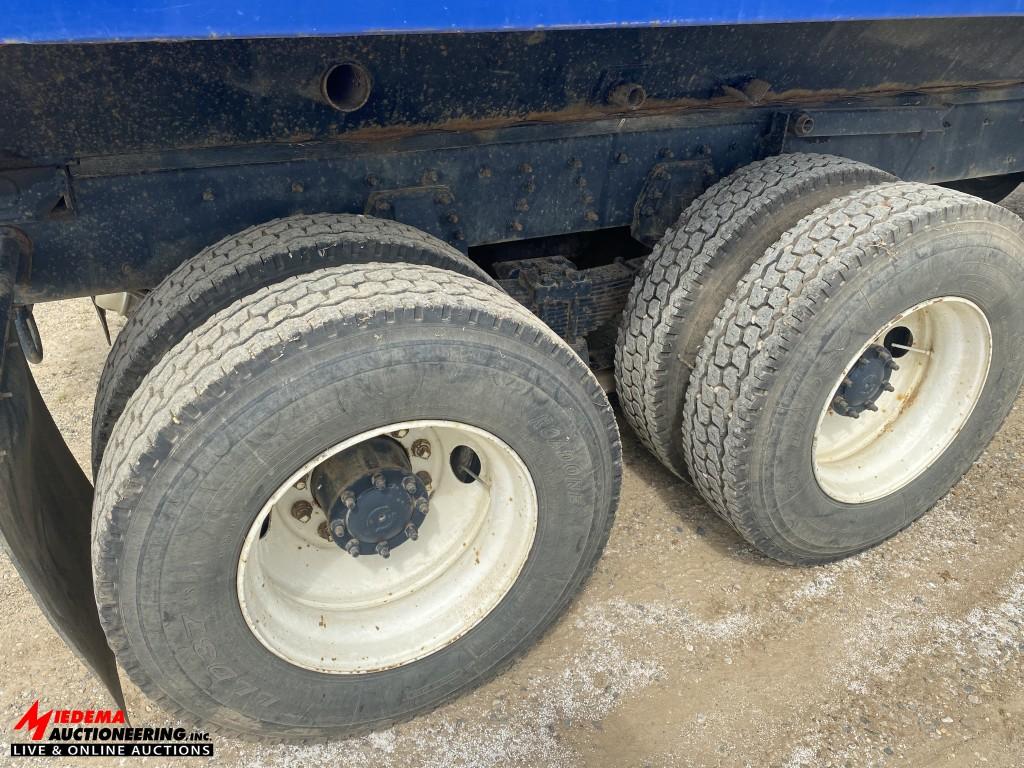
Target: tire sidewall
{"x": 972, "y": 260}
{"x": 233, "y": 448}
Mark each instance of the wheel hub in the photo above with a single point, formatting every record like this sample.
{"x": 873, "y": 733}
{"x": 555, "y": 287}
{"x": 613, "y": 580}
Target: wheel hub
{"x": 865, "y": 382}
{"x": 372, "y": 499}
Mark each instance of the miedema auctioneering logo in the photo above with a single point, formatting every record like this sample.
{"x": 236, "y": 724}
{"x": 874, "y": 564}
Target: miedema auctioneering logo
{"x": 102, "y": 733}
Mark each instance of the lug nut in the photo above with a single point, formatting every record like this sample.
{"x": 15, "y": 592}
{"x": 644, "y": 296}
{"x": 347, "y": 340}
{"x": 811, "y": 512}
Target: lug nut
{"x": 409, "y": 484}
{"x": 412, "y": 532}
{"x": 322, "y": 532}
{"x": 302, "y": 511}
{"x": 888, "y": 387}
{"x": 339, "y": 529}
{"x": 352, "y": 548}
{"x": 425, "y": 478}
{"x": 384, "y": 550}
{"x": 300, "y": 485}
{"x": 379, "y": 482}
{"x": 871, "y": 406}
{"x": 400, "y": 433}
{"x": 421, "y": 449}
{"x": 349, "y": 500}
{"x": 422, "y": 506}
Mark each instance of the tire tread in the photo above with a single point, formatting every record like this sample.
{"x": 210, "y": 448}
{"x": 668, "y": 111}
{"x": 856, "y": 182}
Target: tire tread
{"x": 664, "y": 299}
{"x": 260, "y": 327}
{"x": 772, "y": 306}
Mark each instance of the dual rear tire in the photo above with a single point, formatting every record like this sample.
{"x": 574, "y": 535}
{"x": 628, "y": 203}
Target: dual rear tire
{"x": 786, "y": 415}
{"x": 223, "y": 574}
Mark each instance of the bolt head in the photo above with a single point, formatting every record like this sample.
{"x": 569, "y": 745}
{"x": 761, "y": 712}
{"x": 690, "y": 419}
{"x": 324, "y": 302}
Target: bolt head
{"x": 379, "y": 482}
{"x": 302, "y": 511}
{"x": 421, "y": 449}
{"x": 384, "y": 550}
{"x": 423, "y": 506}
{"x": 322, "y": 532}
{"x": 339, "y": 529}
{"x": 412, "y": 532}
{"x": 409, "y": 484}
{"x": 300, "y": 485}
{"x": 349, "y": 500}
{"x": 352, "y": 548}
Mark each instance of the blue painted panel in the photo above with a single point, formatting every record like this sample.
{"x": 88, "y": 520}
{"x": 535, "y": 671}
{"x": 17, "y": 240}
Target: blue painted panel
{"x": 95, "y": 20}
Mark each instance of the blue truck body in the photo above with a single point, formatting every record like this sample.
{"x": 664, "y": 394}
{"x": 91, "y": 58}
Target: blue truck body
{"x": 61, "y": 21}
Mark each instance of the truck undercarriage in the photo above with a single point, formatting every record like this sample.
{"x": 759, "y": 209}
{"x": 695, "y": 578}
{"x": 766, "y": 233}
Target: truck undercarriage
{"x": 561, "y": 168}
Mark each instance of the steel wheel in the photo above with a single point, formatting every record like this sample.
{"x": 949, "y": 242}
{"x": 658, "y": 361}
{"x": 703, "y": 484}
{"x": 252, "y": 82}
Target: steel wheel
{"x": 311, "y": 603}
{"x": 902, "y": 399}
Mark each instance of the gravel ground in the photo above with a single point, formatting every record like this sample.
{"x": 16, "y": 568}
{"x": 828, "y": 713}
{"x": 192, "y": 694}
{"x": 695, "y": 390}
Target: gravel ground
{"x": 686, "y": 647}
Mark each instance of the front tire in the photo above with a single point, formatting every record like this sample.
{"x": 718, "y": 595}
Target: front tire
{"x": 231, "y": 420}
{"x": 935, "y": 271}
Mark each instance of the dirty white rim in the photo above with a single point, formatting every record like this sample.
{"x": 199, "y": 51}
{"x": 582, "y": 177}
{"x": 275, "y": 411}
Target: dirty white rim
{"x": 941, "y": 375}
{"x": 315, "y": 606}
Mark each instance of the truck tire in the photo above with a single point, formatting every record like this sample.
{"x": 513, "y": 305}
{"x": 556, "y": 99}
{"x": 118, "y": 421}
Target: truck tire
{"x": 693, "y": 269}
{"x": 860, "y": 367}
{"x": 228, "y": 593}
{"x": 235, "y": 267}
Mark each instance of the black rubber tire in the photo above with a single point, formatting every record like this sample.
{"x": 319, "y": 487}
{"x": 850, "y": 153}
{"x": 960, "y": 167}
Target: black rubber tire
{"x": 771, "y": 359}
{"x": 235, "y": 267}
{"x": 179, "y": 487}
{"x": 693, "y": 269}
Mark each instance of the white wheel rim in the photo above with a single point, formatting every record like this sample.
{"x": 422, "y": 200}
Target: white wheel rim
{"x": 938, "y": 384}
{"x": 315, "y": 606}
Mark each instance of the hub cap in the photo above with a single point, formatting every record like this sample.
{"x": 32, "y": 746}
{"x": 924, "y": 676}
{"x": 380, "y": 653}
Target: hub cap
{"x": 309, "y": 602}
{"x": 372, "y": 499}
{"x": 902, "y": 399}
{"x": 866, "y": 381}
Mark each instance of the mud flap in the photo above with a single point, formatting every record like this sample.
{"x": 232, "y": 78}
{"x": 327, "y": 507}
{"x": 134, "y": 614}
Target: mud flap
{"x": 45, "y": 500}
